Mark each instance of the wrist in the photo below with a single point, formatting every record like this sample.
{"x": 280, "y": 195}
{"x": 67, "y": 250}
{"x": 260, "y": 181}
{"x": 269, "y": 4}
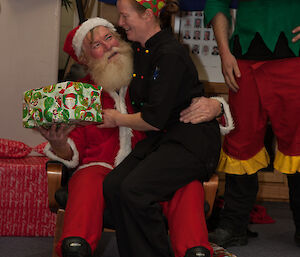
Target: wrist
{"x": 120, "y": 119}
{"x": 61, "y": 149}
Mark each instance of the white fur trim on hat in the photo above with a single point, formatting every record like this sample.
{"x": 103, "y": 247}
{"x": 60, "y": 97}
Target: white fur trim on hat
{"x": 85, "y": 28}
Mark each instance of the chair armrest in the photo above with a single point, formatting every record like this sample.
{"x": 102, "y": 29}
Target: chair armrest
{"x": 54, "y": 175}
{"x": 210, "y": 191}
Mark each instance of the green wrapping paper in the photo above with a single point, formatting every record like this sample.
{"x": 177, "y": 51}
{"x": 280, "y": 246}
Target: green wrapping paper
{"x": 66, "y": 102}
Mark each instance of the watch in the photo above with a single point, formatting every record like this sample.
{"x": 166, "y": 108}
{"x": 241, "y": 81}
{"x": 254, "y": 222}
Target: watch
{"x": 222, "y": 111}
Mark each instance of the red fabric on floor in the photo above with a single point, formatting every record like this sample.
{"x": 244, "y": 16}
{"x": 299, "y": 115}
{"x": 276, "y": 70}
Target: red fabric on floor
{"x": 258, "y": 215}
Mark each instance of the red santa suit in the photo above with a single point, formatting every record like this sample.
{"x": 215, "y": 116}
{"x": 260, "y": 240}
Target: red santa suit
{"x": 95, "y": 153}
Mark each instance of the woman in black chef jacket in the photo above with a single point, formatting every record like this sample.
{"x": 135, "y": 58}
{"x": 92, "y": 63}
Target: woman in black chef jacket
{"x": 173, "y": 153}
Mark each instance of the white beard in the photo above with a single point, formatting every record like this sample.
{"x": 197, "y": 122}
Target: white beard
{"x": 115, "y": 73}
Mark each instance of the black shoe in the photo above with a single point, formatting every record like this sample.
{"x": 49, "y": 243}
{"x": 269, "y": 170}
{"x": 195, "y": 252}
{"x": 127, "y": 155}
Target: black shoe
{"x": 75, "y": 247}
{"x": 251, "y": 234}
{"x": 198, "y": 251}
{"x": 297, "y": 239}
{"x": 226, "y": 238}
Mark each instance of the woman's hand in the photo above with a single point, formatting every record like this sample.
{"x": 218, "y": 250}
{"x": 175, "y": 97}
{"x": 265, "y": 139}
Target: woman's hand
{"x": 296, "y": 31}
{"x": 202, "y": 109}
{"x": 230, "y": 70}
{"x": 110, "y": 118}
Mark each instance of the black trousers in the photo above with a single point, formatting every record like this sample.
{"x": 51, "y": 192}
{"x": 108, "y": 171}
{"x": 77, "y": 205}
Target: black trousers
{"x": 134, "y": 189}
{"x": 239, "y": 199}
{"x": 294, "y": 193}
{"x": 240, "y": 196}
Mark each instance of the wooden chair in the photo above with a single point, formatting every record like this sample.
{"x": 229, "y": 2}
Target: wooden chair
{"x": 57, "y": 180}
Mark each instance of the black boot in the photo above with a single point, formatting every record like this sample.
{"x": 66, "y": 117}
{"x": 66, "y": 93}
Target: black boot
{"x": 75, "y": 247}
{"x": 198, "y": 251}
{"x": 294, "y": 193}
{"x": 226, "y": 238}
{"x": 251, "y": 234}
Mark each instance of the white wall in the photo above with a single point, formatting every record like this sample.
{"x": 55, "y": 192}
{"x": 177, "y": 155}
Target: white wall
{"x": 69, "y": 20}
{"x": 29, "y": 43}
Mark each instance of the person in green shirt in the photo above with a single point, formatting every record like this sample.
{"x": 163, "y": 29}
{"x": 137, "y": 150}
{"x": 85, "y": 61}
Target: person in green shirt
{"x": 260, "y": 64}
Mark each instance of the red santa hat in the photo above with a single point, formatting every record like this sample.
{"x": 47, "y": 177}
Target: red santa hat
{"x": 73, "y": 42}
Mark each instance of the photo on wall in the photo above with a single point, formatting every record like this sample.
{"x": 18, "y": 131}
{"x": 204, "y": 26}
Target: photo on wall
{"x": 201, "y": 43}
{"x": 200, "y": 40}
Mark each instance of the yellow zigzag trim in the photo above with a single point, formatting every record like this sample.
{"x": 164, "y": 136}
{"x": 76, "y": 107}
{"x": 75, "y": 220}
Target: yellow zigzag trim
{"x": 287, "y": 164}
{"x": 283, "y": 163}
{"x": 231, "y": 165}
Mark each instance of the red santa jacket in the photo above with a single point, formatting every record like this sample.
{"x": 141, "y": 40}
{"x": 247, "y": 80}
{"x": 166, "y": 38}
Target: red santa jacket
{"x": 106, "y": 146}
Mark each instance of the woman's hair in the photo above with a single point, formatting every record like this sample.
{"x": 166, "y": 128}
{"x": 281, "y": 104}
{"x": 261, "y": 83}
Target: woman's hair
{"x": 171, "y": 7}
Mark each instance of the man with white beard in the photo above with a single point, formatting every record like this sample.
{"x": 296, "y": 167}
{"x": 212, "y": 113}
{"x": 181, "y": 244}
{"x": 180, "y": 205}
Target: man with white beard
{"x": 96, "y": 151}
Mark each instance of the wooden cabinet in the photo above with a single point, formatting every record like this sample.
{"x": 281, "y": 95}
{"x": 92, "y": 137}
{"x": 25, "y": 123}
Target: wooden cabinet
{"x": 272, "y": 184}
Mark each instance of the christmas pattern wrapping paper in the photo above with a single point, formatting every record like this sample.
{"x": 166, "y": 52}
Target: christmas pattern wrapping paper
{"x": 66, "y": 102}
{"x": 220, "y": 251}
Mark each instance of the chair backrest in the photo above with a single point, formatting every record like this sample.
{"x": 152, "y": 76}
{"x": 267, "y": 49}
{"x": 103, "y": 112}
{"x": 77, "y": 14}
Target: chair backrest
{"x": 54, "y": 175}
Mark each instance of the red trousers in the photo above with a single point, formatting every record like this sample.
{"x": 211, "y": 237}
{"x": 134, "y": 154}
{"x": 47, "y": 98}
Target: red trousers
{"x": 269, "y": 90}
{"x": 85, "y": 207}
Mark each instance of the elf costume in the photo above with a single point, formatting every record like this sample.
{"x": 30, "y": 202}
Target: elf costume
{"x": 269, "y": 91}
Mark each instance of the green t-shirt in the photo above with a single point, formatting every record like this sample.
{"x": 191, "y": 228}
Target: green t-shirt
{"x": 267, "y": 17}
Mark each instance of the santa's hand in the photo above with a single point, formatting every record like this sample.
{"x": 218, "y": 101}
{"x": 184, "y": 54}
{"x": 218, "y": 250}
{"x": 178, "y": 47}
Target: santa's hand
{"x": 110, "y": 117}
{"x": 56, "y": 135}
{"x": 202, "y": 109}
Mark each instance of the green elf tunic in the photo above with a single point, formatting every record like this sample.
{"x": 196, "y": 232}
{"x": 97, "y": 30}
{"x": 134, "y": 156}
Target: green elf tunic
{"x": 269, "y": 18}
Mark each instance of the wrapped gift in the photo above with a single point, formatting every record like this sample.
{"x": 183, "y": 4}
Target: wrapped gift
{"x": 66, "y": 102}
{"x": 24, "y": 207}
